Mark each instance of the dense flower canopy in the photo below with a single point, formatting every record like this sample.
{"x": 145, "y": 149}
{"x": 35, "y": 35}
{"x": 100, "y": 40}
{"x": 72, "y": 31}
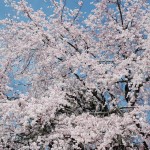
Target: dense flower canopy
{"x": 88, "y": 78}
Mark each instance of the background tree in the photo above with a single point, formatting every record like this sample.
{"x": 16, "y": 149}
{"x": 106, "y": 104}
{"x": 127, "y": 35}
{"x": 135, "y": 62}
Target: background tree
{"x": 89, "y": 79}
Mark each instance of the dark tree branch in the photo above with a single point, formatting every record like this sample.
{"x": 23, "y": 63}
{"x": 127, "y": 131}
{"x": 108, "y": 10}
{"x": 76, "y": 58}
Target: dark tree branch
{"x": 62, "y": 11}
{"x": 119, "y": 8}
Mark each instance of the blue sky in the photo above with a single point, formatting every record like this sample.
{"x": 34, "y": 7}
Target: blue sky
{"x": 37, "y": 4}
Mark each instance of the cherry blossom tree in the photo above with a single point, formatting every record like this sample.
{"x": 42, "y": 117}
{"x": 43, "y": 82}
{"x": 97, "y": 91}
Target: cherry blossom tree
{"x": 89, "y": 78}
